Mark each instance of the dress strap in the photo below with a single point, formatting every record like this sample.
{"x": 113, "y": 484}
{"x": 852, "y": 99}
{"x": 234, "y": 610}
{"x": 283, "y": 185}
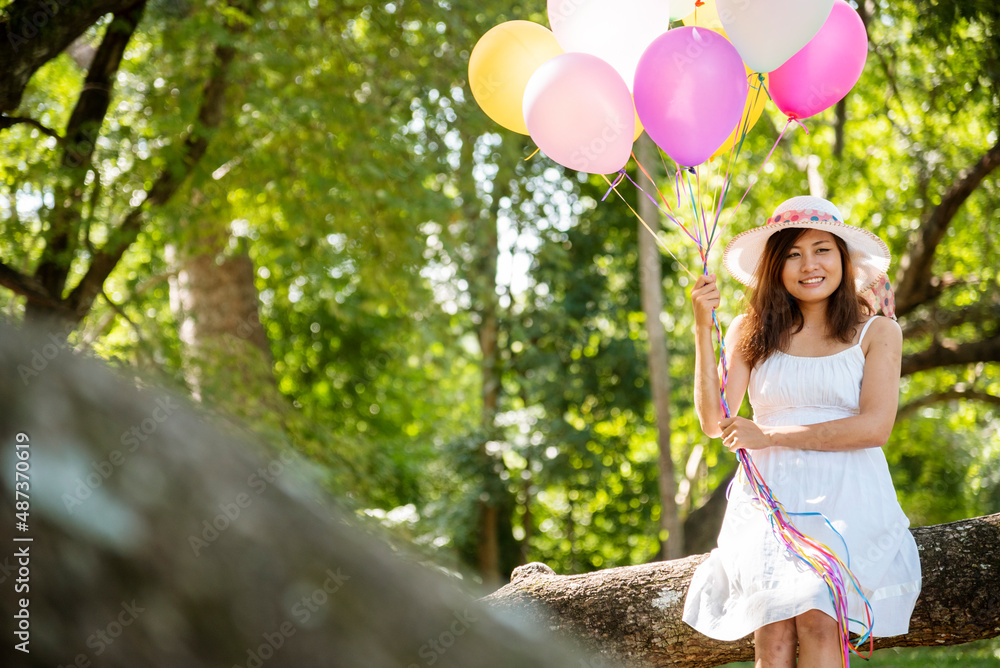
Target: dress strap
{"x": 865, "y": 328}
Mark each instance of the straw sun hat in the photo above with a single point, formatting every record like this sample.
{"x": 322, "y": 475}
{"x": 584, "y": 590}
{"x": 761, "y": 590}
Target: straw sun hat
{"x": 869, "y": 254}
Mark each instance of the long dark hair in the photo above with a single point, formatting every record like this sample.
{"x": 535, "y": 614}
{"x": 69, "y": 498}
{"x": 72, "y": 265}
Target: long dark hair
{"x": 773, "y": 315}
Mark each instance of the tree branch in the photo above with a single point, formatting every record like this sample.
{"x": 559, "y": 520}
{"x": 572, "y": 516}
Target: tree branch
{"x": 906, "y": 411}
{"x": 913, "y": 281}
{"x": 210, "y": 116}
{"x": 33, "y": 32}
{"x": 948, "y": 353}
{"x": 82, "y": 131}
{"x": 633, "y": 614}
{"x": 937, "y": 321}
{"x": 29, "y": 287}
{"x": 10, "y": 121}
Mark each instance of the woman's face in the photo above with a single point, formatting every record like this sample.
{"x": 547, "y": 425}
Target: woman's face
{"x": 812, "y": 269}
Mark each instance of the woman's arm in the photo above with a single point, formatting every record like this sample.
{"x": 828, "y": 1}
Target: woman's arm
{"x": 705, "y": 297}
{"x": 869, "y": 429}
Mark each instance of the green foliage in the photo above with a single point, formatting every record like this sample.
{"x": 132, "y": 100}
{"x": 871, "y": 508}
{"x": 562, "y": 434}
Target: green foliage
{"x": 386, "y": 216}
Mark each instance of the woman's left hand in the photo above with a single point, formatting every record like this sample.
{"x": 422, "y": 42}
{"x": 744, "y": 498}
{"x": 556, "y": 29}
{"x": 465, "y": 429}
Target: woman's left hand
{"x": 740, "y": 432}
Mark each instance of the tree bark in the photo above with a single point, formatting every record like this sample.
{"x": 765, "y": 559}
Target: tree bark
{"x": 633, "y": 614}
{"x": 651, "y": 293}
{"x": 228, "y": 360}
{"x": 702, "y": 525}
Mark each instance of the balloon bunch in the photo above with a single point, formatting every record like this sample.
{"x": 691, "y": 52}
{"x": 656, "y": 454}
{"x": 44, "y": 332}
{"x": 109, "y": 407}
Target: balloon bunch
{"x": 585, "y": 90}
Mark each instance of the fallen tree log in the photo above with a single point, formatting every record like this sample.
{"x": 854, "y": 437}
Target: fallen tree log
{"x": 632, "y": 615}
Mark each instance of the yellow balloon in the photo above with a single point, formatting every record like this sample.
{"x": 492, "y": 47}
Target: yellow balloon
{"x": 706, "y": 16}
{"x": 502, "y": 62}
{"x": 752, "y": 109}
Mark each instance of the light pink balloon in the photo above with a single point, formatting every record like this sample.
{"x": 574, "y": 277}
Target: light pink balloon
{"x": 690, "y": 88}
{"x": 826, "y": 69}
{"x": 579, "y": 111}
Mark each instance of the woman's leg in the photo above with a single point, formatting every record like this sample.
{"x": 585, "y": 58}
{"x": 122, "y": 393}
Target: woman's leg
{"x": 819, "y": 640}
{"x": 774, "y": 645}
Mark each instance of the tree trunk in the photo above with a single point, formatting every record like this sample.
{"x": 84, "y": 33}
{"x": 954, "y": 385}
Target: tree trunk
{"x": 228, "y": 357}
{"x": 633, "y": 614}
{"x": 488, "y": 534}
{"x": 702, "y": 525}
{"x": 651, "y": 291}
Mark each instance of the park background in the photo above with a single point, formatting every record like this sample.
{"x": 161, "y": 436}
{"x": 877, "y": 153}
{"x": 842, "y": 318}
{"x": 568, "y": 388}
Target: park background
{"x": 295, "y": 214}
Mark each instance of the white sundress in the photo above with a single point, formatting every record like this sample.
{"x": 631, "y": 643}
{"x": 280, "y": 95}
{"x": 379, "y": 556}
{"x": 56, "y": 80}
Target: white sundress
{"x": 750, "y": 579}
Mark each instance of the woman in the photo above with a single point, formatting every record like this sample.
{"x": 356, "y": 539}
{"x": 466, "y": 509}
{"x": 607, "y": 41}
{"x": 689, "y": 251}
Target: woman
{"x": 823, "y": 376}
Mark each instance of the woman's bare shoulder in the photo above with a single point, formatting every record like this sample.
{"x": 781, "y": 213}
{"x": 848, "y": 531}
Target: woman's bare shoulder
{"x": 734, "y": 337}
{"x": 738, "y": 323}
{"x": 883, "y": 330}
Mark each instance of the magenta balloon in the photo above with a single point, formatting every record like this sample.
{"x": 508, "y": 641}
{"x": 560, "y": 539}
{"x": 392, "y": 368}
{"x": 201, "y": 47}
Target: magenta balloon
{"x": 825, "y": 69}
{"x": 690, "y": 88}
{"x": 579, "y": 111}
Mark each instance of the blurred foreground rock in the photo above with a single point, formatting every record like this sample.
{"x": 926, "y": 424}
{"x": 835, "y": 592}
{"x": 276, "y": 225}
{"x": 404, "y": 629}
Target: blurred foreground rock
{"x": 158, "y": 542}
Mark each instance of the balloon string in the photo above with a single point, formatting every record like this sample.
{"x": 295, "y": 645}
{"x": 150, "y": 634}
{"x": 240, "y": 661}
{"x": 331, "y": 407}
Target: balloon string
{"x": 768, "y": 158}
{"x": 533, "y": 154}
{"x": 618, "y": 179}
{"x": 666, "y": 212}
{"x": 735, "y": 149}
{"x": 648, "y": 228}
{"x": 703, "y": 248}
{"x": 651, "y": 180}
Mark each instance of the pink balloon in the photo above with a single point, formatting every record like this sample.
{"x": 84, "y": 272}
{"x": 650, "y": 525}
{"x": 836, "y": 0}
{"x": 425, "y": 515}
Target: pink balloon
{"x": 690, "y": 87}
{"x": 579, "y": 111}
{"x": 826, "y": 69}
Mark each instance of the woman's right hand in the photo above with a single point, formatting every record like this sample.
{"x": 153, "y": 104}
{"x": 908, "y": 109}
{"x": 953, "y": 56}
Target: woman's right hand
{"x": 704, "y": 298}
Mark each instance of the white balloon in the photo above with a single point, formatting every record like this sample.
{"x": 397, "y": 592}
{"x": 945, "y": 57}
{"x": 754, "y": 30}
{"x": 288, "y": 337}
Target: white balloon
{"x": 615, "y": 31}
{"x": 766, "y": 33}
